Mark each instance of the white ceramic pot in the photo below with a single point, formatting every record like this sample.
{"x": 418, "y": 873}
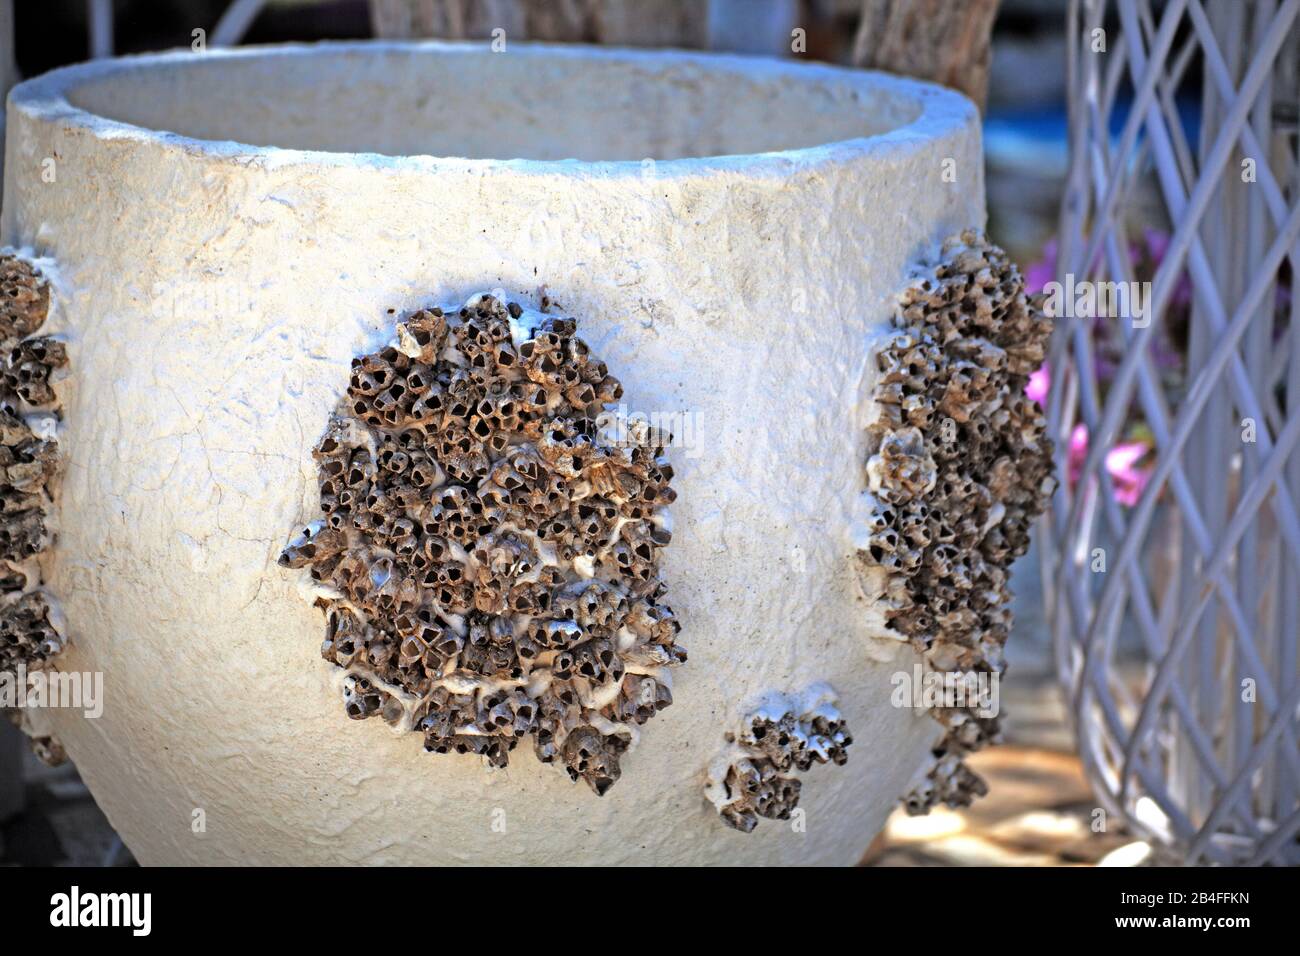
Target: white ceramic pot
{"x": 232, "y": 228}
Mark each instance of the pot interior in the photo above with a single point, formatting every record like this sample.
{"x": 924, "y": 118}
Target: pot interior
{"x": 529, "y": 102}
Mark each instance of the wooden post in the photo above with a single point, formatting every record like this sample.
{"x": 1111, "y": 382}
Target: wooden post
{"x": 8, "y": 66}
{"x": 931, "y": 39}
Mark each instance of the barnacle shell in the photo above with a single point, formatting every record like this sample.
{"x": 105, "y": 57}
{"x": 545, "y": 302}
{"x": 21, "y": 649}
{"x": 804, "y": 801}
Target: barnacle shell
{"x": 28, "y": 464}
{"x": 754, "y": 776}
{"x": 488, "y": 565}
{"x": 24, "y": 298}
{"x": 959, "y": 468}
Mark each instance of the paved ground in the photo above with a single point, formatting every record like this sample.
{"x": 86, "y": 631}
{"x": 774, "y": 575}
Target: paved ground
{"x": 60, "y": 824}
{"x": 1039, "y": 810}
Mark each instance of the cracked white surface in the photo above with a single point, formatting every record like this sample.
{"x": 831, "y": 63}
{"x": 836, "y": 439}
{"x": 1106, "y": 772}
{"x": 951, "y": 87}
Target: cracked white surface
{"x": 215, "y": 296}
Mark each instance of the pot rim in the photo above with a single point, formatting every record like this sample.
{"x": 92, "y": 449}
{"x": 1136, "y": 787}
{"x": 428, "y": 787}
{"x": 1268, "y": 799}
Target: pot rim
{"x": 943, "y": 112}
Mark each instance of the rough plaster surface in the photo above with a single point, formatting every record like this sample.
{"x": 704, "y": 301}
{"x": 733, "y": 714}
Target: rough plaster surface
{"x": 215, "y": 293}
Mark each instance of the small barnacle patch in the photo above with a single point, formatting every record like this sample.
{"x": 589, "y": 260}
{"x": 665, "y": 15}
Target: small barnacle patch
{"x": 754, "y": 777}
{"x": 488, "y": 566}
{"x": 29, "y": 413}
{"x": 958, "y": 469}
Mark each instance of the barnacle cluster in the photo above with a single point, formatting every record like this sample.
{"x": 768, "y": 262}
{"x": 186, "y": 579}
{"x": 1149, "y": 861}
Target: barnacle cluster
{"x": 755, "y": 775}
{"x": 959, "y": 468}
{"x": 487, "y": 559}
{"x": 28, "y": 464}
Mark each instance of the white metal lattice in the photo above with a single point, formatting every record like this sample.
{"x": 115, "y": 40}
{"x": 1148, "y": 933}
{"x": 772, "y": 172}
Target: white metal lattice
{"x": 1176, "y": 617}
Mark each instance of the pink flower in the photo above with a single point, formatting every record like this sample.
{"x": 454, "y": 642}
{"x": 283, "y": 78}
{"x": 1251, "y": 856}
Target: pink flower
{"x": 1129, "y": 479}
{"x": 1078, "y": 451}
{"x": 1040, "y": 382}
{"x": 1124, "y": 461}
{"x": 1121, "y": 464}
